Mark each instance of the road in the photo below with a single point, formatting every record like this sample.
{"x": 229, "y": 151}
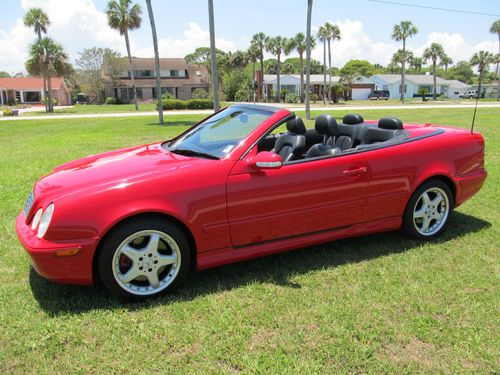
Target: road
{"x": 208, "y": 111}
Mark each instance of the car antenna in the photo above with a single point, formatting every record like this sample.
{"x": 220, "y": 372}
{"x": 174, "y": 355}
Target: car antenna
{"x": 474, "y": 115}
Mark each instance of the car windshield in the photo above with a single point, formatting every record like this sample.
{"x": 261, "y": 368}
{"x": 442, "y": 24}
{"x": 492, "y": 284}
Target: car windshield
{"x": 218, "y": 135}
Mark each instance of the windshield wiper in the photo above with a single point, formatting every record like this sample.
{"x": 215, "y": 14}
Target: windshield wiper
{"x": 186, "y": 152}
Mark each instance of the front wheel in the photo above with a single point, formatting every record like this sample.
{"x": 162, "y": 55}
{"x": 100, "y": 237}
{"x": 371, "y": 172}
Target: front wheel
{"x": 428, "y": 210}
{"x": 144, "y": 258}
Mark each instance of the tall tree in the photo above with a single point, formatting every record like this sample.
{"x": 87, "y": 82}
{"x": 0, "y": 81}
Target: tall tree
{"x": 434, "y": 53}
{"x": 402, "y": 57}
{"x": 322, "y": 36}
{"x": 123, "y": 16}
{"x": 308, "y": 58}
{"x": 446, "y": 61}
{"x": 213, "y": 55}
{"x": 39, "y": 21}
{"x": 253, "y": 54}
{"x": 159, "y": 103}
{"x": 259, "y": 40}
{"x": 401, "y": 32}
{"x": 482, "y": 59}
{"x": 495, "y": 29}
{"x": 417, "y": 63}
{"x": 332, "y": 34}
{"x": 48, "y": 56}
{"x": 299, "y": 43}
{"x": 278, "y": 46}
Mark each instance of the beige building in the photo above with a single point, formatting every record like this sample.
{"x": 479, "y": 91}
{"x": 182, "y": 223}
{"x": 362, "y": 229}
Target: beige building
{"x": 177, "y": 77}
{"x": 29, "y": 90}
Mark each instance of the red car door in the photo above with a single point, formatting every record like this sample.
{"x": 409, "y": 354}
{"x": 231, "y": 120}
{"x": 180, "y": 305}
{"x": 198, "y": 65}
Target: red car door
{"x": 298, "y": 198}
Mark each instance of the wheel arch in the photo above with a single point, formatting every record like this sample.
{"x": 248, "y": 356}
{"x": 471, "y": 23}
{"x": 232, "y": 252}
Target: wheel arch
{"x": 142, "y": 215}
{"x": 440, "y": 177}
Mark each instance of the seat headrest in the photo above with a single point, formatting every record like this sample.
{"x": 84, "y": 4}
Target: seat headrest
{"x": 391, "y": 123}
{"x": 296, "y": 126}
{"x": 353, "y": 119}
{"x": 326, "y": 125}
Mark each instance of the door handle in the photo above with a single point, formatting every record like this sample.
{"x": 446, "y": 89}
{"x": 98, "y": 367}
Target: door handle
{"x": 355, "y": 171}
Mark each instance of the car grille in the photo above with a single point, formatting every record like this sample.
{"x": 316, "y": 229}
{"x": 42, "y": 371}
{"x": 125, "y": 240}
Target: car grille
{"x": 29, "y": 204}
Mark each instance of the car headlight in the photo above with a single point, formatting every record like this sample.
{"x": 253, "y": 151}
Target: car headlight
{"x": 45, "y": 220}
{"x": 36, "y": 219}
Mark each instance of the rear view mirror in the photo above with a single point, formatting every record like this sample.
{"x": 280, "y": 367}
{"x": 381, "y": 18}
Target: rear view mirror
{"x": 267, "y": 160}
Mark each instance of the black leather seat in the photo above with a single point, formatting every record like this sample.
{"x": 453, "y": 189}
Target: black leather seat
{"x": 353, "y": 119}
{"x": 290, "y": 146}
{"x": 328, "y": 128}
{"x": 389, "y": 131}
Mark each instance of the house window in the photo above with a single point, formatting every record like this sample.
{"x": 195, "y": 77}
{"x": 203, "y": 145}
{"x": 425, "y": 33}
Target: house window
{"x": 171, "y": 90}
{"x": 18, "y": 96}
{"x": 289, "y": 88}
{"x": 425, "y": 87}
{"x": 129, "y": 95}
{"x": 144, "y": 73}
{"x": 32, "y": 96}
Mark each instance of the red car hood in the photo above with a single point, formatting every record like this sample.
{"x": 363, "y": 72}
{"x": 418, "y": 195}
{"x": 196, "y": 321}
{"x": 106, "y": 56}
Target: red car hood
{"x": 120, "y": 166}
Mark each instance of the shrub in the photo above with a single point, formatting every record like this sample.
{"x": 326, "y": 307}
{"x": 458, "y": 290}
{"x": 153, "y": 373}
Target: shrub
{"x": 199, "y": 104}
{"x": 169, "y": 104}
{"x": 243, "y": 95}
{"x": 54, "y": 101}
{"x": 8, "y": 112}
{"x": 167, "y": 95}
{"x": 292, "y": 98}
{"x": 199, "y": 93}
{"x": 314, "y": 97}
{"x": 110, "y": 100}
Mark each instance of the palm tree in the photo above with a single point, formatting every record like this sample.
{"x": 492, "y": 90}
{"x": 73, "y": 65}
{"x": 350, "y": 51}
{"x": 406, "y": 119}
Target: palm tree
{"x": 446, "y": 61}
{"x": 404, "y": 30}
{"x": 433, "y": 53}
{"x": 259, "y": 40}
{"x": 38, "y": 20}
{"x": 402, "y": 57}
{"x": 298, "y": 42}
{"x": 495, "y": 29}
{"x": 213, "y": 54}
{"x": 278, "y": 46}
{"x": 332, "y": 33}
{"x": 124, "y": 17}
{"x": 417, "y": 63}
{"x": 482, "y": 59}
{"x": 157, "y": 61}
{"x": 49, "y": 57}
{"x": 308, "y": 57}
{"x": 322, "y": 36}
{"x": 253, "y": 54}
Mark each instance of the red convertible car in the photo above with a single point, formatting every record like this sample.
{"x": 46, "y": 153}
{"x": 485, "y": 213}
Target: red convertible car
{"x": 245, "y": 182}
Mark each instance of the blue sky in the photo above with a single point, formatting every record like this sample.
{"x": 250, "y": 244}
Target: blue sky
{"x": 182, "y": 26}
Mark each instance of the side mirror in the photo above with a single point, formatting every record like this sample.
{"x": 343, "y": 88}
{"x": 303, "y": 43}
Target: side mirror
{"x": 267, "y": 160}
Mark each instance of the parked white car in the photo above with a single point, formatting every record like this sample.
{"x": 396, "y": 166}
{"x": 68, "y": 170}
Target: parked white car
{"x": 469, "y": 94}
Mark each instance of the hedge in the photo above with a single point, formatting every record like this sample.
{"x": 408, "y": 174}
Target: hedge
{"x": 170, "y": 104}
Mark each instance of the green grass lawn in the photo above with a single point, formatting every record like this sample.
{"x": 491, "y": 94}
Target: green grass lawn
{"x": 376, "y": 304}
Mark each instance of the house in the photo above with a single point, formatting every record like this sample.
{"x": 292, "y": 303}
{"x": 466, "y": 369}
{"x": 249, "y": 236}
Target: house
{"x": 177, "y": 77}
{"x": 415, "y": 82}
{"x": 291, "y": 83}
{"x": 488, "y": 90}
{"x": 29, "y": 90}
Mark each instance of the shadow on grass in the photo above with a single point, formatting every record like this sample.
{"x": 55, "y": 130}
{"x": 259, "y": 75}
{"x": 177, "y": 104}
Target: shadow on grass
{"x": 57, "y": 299}
{"x": 171, "y": 123}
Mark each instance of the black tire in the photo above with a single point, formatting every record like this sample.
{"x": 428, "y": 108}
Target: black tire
{"x": 414, "y": 225}
{"x": 144, "y": 229}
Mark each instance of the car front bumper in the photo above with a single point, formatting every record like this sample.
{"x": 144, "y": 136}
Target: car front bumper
{"x": 68, "y": 269}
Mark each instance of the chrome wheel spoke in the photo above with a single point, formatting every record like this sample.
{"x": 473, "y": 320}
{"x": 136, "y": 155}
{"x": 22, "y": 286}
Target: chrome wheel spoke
{"x": 154, "y": 241}
{"x": 419, "y": 214}
{"x": 165, "y": 260}
{"x": 153, "y": 279}
{"x": 130, "y": 252}
{"x": 130, "y": 275}
{"x": 437, "y": 200}
{"x": 425, "y": 225}
{"x": 425, "y": 200}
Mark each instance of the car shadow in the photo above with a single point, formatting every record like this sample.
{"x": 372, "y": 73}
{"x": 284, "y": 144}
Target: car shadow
{"x": 279, "y": 269}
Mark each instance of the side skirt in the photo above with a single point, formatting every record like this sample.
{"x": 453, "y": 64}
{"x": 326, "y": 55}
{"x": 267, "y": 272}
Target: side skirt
{"x": 231, "y": 255}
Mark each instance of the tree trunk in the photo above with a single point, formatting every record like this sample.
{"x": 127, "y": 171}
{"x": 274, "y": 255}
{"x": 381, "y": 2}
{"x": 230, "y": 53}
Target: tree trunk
{"x": 157, "y": 62}
{"x": 44, "y": 78}
{"x": 131, "y": 70}
{"x": 403, "y": 63}
{"x": 301, "y": 57}
{"x": 498, "y": 72}
{"x": 253, "y": 81}
{"x": 324, "y": 71}
{"x": 434, "y": 80}
{"x": 329, "y": 71}
{"x": 278, "y": 87}
{"x": 51, "y": 104}
{"x": 308, "y": 58}
{"x": 479, "y": 84}
{"x": 213, "y": 55}
{"x": 261, "y": 83}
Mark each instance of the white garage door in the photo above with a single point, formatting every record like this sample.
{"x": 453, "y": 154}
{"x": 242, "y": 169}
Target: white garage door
{"x": 360, "y": 94}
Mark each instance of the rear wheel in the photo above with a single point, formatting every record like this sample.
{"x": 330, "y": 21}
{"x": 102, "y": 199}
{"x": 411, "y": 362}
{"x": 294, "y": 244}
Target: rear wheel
{"x": 428, "y": 210}
{"x": 144, "y": 258}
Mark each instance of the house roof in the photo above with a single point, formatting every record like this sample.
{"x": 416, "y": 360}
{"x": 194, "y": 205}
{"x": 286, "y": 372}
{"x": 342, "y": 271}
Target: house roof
{"x": 420, "y": 79}
{"x": 457, "y": 84}
{"x": 316, "y": 79}
{"x": 29, "y": 83}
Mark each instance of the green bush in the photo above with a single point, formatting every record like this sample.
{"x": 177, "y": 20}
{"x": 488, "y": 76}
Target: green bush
{"x": 110, "y": 100}
{"x": 169, "y": 104}
{"x": 7, "y": 112}
{"x": 199, "y": 104}
{"x": 314, "y": 97}
{"x": 54, "y": 101}
{"x": 292, "y": 98}
{"x": 199, "y": 93}
{"x": 167, "y": 95}
{"x": 243, "y": 95}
